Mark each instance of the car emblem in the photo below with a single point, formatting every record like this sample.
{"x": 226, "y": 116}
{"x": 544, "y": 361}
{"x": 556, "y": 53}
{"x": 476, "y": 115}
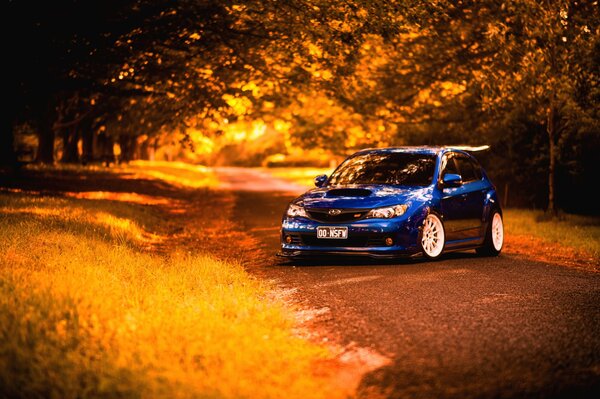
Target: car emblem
{"x": 334, "y": 212}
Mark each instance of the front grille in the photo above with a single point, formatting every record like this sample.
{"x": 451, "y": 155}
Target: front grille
{"x": 352, "y": 241}
{"x": 347, "y": 215}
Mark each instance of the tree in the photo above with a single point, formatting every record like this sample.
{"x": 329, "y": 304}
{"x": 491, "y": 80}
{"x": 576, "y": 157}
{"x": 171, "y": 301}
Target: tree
{"x": 471, "y": 64}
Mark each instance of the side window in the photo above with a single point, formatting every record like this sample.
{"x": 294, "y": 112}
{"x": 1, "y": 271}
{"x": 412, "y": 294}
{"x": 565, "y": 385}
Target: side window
{"x": 449, "y": 165}
{"x": 468, "y": 170}
{"x": 477, "y": 169}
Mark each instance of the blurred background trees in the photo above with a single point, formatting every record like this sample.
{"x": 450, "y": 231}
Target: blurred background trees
{"x": 306, "y": 82}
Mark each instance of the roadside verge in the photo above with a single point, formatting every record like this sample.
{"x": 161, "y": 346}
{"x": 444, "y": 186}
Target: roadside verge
{"x": 105, "y": 292}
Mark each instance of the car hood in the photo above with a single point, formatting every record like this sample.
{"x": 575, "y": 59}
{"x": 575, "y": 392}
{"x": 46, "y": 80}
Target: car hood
{"x": 363, "y": 196}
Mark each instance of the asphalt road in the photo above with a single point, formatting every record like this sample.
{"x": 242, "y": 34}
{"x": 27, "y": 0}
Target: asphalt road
{"x": 461, "y": 327}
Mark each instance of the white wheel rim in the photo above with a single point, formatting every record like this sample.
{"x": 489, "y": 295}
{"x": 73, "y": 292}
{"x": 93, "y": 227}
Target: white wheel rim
{"x": 432, "y": 240}
{"x": 497, "y": 232}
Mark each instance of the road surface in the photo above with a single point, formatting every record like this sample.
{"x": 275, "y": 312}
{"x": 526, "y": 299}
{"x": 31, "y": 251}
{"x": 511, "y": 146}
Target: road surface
{"x": 462, "y": 327}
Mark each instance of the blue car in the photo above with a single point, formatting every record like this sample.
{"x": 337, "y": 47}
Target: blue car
{"x": 393, "y": 202}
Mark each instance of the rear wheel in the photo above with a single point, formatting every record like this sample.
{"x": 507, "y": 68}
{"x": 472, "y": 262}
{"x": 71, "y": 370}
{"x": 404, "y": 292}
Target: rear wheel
{"x": 433, "y": 237}
{"x": 494, "y": 236}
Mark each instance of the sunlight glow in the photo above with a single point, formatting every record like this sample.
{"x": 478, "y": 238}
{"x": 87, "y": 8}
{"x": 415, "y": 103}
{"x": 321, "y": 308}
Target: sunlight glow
{"x": 179, "y": 174}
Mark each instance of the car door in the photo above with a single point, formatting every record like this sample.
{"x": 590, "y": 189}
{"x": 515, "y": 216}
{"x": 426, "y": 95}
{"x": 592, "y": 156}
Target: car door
{"x": 472, "y": 195}
{"x": 452, "y": 203}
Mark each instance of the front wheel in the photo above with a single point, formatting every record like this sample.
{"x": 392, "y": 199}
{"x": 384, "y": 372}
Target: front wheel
{"x": 433, "y": 237}
{"x": 494, "y": 236}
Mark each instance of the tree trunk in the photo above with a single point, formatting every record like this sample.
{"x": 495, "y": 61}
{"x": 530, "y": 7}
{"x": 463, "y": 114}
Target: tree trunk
{"x": 551, "y": 130}
{"x": 45, "y": 153}
{"x": 136, "y": 152}
{"x": 87, "y": 139}
{"x": 8, "y": 155}
{"x": 105, "y": 148}
{"x": 145, "y": 149}
{"x": 70, "y": 139}
{"x": 7, "y": 142}
{"x": 127, "y": 148}
{"x": 152, "y": 149}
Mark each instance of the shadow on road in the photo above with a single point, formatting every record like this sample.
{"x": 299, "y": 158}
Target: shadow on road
{"x": 58, "y": 182}
{"x": 336, "y": 260}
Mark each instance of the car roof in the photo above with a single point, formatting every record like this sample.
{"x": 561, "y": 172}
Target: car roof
{"x": 425, "y": 150}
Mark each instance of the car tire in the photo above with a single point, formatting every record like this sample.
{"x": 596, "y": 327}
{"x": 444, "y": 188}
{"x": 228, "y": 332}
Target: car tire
{"x": 494, "y": 236}
{"x": 433, "y": 237}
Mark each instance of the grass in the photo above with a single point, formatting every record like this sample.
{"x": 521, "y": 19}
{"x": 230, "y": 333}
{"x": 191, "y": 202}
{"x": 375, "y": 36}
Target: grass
{"x": 573, "y": 231}
{"x": 87, "y": 311}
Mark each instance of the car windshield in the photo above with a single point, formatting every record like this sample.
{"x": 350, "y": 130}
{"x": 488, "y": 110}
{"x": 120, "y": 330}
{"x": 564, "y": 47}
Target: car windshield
{"x": 394, "y": 168}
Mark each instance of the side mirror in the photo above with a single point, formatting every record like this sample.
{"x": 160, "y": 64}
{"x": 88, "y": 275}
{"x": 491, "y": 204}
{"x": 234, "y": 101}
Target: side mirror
{"x": 320, "y": 180}
{"x": 452, "y": 180}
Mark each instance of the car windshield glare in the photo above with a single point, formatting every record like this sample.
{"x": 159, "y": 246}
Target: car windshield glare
{"x": 395, "y": 168}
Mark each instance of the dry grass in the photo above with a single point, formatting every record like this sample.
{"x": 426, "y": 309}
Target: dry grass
{"x": 87, "y": 311}
{"x": 568, "y": 241}
{"x": 580, "y": 233}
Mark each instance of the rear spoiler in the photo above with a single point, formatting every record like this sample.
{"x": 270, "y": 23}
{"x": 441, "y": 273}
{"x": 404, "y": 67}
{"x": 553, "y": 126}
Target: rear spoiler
{"x": 469, "y": 148}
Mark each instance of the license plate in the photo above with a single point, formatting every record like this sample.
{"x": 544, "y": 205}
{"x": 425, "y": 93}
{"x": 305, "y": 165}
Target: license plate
{"x": 337, "y": 233}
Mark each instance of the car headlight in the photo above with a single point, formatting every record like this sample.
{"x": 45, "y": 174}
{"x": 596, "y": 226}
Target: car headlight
{"x": 296, "y": 210}
{"x": 388, "y": 212}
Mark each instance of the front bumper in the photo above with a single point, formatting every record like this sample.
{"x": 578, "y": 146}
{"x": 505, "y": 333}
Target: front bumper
{"x": 365, "y": 238}
{"x": 307, "y": 254}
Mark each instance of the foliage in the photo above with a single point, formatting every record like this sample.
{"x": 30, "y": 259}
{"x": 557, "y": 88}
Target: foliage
{"x": 339, "y": 75}
{"x": 160, "y": 65}
{"x": 473, "y": 71}
{"x": 145, "y": 325}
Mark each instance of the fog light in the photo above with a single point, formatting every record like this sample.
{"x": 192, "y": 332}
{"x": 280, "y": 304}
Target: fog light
{"x": 389, "y": 241}
{"x": 288, "y": 239}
